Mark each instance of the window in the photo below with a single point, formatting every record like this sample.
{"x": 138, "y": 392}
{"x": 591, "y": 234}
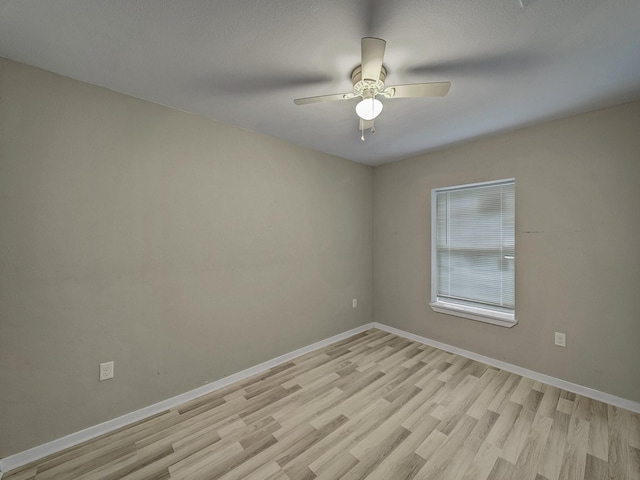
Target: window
{"x": 473, "y": 251}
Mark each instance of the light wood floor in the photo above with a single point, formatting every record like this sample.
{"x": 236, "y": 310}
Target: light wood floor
{"x": 375, "y": 406}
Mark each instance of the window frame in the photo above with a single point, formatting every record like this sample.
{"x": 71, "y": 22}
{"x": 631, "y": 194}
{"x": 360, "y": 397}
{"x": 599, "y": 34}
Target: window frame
{"x": 472, "y": 312}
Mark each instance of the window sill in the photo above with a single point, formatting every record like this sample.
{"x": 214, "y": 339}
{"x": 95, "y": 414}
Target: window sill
{"x": 474, "y": 313}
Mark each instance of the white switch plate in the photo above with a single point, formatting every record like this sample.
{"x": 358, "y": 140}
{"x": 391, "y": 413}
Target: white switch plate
{"x": 354, "y": 303}
{"x": 561, "y": 339}
{"x": 106, "y": 371}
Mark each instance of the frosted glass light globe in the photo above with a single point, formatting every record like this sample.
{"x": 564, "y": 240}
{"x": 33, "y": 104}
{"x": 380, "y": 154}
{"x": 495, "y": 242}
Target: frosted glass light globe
{"x": 369, "y": 108}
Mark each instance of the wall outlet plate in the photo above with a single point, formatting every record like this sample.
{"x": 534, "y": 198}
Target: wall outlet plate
{"x": 106, "y": 371}
{"x": 354, "y": 303}
{"x": 561, "y": 339}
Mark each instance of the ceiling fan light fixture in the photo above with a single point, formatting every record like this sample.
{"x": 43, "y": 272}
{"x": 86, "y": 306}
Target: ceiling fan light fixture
{"x": 369, "y": 107}
{"x": 369, "y": 79}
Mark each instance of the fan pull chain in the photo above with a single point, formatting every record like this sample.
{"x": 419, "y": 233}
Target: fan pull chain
{"x": 361, "y": 130}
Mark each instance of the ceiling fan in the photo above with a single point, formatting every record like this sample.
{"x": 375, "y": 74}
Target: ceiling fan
{"x": 368, "y": 83}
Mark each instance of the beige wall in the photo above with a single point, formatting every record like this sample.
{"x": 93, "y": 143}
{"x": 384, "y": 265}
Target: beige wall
{"x": 577, "y": 247}
{"x": 181, "y": 248}
{"x": 187, "y": 250}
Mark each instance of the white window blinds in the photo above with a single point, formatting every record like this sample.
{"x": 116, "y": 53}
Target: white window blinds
{"x": 475, "y": 246}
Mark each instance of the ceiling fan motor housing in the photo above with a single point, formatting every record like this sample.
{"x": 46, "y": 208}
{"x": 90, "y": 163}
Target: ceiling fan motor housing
{"x": 361, "y": 85}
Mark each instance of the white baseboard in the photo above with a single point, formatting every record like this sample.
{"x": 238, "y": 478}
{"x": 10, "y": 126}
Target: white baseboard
{"x": 33, "y": 454}
{"x": 19, "y": 459}
{"x": 541, "y": 377}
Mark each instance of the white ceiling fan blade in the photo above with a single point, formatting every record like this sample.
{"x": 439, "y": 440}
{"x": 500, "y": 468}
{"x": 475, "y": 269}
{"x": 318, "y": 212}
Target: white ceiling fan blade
{"x": 372, "y": 56}
{"x": 437, "y": 89}
{"x": 323, "y": 98}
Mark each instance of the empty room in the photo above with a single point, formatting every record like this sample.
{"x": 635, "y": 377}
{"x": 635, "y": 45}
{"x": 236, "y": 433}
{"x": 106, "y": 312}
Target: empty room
{"x": 296, "y": 240}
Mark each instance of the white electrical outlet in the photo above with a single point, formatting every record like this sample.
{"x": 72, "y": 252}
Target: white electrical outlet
{"x": 354, "y": 303}
{"x": 561, "y": 339}
{"x": 106, "y": 370}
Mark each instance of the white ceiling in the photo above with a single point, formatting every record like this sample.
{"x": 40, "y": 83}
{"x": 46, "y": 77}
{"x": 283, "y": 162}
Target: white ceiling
{"x": 244, "y": 61}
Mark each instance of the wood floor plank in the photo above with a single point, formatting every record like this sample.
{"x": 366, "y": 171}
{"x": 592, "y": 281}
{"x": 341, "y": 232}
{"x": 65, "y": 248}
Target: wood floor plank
{"x": 575, "y": 454}
{"x": 619, "y": 426}
{"x": 502, "y": 470}
{"x": 355, "y": 430}
{"x": 553, "y": 454}
{"x": 402, "y": 462}
{"x": 267, "y": 470}
{"x": 595, "y": 468}
{"x": 252, "y": 464}
{"x": 371, "y": 452}
{"x": 197, "y": 465}
{"x": 338, "y": 469}
{"x": 157, "y": 469}
{"x": 598, "y": 444}
{"x": 549, "y": 402}
{"x": 26, "y": 474}
{"x": 439, "y": 462}
{"x": 633, "y": 465}
{"x": 109, "y": 442}
{"x": 463, "y": 460}
{"x": 521, "y": 392}
{"x": 519, "y": 433}
{"x": 481, "y": 403}
{"x": 334, "y": 444}
{"x": 117, "y": 469}
{"x": 373, "y": 406}
{"x": 79, "y": 465}
{"x": 634, "y": 431}
{"x": 565, "y": 405}
{"x": 482, "y": 463}
{"x": 294, "y": 451}
{"x": 533, "y": 448}
{"x": 503, "y": 427}
{"x": 502, "y": 397}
